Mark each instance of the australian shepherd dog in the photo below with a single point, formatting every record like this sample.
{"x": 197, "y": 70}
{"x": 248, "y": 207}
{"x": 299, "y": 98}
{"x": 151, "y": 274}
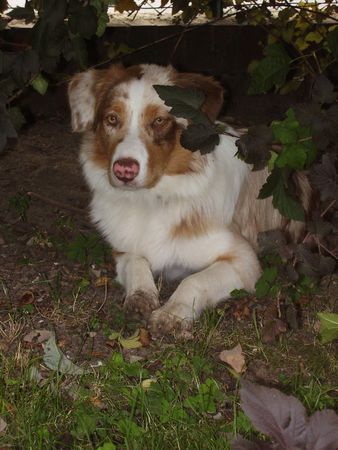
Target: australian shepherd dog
{"x": 162, "y": 208}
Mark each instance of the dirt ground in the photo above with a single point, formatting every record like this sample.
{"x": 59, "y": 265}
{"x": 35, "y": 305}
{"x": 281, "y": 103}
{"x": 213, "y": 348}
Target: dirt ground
{"x": 44, "y": 286}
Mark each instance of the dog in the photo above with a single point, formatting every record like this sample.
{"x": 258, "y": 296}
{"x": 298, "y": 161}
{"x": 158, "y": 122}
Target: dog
{"x": 164, "y": 209}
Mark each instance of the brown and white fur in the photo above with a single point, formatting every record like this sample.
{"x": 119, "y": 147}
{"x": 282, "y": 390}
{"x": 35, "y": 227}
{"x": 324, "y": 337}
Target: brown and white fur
{"x": 163, "y": 208}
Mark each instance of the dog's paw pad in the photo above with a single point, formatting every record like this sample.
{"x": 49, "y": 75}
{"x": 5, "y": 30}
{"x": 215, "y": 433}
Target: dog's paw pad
{"x": 141, "y": 304}
{"x": 163, "y": 323}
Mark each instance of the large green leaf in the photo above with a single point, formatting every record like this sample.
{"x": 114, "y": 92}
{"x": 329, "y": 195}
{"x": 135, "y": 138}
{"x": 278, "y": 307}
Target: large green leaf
{"x": 23, "y": 13}
{"x": 271, "y": 71}
{"x": 40, "y": 84}
{"x": 286, "y": 131}
{"x": 83, "y": 21}
{"x": 184, "y": 102}
{"x": 254, "y": 147}
{"x": 7, "y": 129}
{"x": 200, "y": 137}
{"x": 282, "y": 198}
{"x": 332, "y": 40}
{"x": 328, "y": 326}
{"x": 293, "y": 155}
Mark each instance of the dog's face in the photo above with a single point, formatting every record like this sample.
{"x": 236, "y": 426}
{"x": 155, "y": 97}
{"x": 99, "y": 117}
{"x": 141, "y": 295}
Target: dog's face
{"x": 136, "y": 139}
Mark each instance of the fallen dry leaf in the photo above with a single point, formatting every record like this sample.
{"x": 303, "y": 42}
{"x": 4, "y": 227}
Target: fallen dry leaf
{"x": 27, "y": 298}
{"x": 95, "y": 401}
{"x": 144, "y": 337}
{"x": 37, "y": 336}
{"x": 272, "y": 329}
{"x": 3, "y": 425}
{"x": 101, "y": 281}
{"x": 147, "y": 383}
{"x": 141, "y": 338}
{"x": 234, "y": 358}
{"x": 242, "y": 313}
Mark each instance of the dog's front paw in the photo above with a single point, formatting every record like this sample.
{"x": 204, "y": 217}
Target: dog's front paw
{"x": 141, "y": 304}
{"x": 162, "y": 322}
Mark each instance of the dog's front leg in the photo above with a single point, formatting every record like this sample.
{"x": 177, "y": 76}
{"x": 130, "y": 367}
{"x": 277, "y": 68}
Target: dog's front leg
{"x": 203, "y": 289}
{"x": 134, "y": 273}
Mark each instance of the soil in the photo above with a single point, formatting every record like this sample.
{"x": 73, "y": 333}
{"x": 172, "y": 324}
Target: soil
{"x": 42, "y": 287}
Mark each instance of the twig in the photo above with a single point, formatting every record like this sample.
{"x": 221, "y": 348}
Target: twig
{"x": 105, "y": 296}
{"x": 327, "y": 250}
{"x": 56, "y": 203}
{"x": 329, "y": 207}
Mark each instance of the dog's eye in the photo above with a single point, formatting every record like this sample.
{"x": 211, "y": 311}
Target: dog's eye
{"x": 159, "y": 121}
{"x": 112, "y": 120}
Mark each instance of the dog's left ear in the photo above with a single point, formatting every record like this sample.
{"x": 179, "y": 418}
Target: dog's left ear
{"x": 212, "y": 89}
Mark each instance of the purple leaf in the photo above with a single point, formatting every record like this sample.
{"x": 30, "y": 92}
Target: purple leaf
{"x": 280, "y": 416}
{"x": 322, "y": 431}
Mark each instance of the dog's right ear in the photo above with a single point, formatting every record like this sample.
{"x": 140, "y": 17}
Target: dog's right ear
{"x": 81, "y": 94}
{"x": 85, "y": 91}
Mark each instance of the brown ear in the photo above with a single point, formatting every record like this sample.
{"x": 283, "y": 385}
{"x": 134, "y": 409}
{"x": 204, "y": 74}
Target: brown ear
{"x": 212, "y": 89}
{"x": 86, "y": 90}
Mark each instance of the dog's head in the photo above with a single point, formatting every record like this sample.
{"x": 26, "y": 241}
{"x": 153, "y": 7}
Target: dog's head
{"x": 136, "y": 139}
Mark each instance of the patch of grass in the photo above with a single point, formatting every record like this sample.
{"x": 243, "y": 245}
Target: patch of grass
{"x": 20, "y": 203}
{"x": 176, "y": 399}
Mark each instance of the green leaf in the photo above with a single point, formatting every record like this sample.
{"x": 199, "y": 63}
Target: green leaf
{"x": 86, "y": 421}
{"x": 328, "y": 326}
{"x": 7, "y": 129}
{"x": 184, "y": 102}
{"x": 102, "y": 21}
{"x": 25, "y": 13}
{"x": 40, "y": 84}
{"x": 17, "y": 118}
{"x": 286, "y": 204}
{"x": 293, "y": 155}
{"x": 282, "y": 199}
{"x": 83, "y": 21}
{"x": 205, "y": 401}
{"x": 270, "y": 184}
{"x": 332, "y": 41}
{"x": 323, "y": 90}
{"x": 266, "y": 281}
{"x": 3, "y": 24}
{"x": 107, "y": 446}
{"x": 200, "y": 137}
{"x": 75, "y": 48}
{"x": 254, "y": 147}
{"x": 271, "y": 70}
{"x": 130, "y": 429}
{"x": 286, "y": 131}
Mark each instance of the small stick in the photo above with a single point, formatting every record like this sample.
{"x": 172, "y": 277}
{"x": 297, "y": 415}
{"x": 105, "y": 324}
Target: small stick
{"x": 56, "y": 203}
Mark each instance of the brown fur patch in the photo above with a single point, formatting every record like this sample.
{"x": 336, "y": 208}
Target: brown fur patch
{"x": 105, "y": 143}
{"x": 228, "y": 257}
{"x": 212, "y": 89}
{"x": 191, "y": 226}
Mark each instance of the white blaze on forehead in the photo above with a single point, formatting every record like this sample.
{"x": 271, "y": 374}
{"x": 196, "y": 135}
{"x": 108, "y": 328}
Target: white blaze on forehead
{"x": 137, "y": 94}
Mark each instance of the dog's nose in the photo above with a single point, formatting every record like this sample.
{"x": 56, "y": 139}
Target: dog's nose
{"x": 126, "y": 169}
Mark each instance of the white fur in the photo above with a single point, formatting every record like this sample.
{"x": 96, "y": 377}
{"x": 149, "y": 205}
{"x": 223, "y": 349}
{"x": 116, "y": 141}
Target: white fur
{"x": 82, "y": 102}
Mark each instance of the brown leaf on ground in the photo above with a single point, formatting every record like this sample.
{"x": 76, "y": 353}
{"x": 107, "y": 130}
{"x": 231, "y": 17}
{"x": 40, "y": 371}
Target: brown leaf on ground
{"x": 3, "y": 425}
{"x": 242, "y": 313}
{"x": 272, "y": 329}
{"x": 234, "y": 358}
{"x": 27, "y": 298}
{"x": 102, "y": 281}
{"x": 37, "y": 336}
{"x": 95, "y": 401}
{"x": 144, "y": 337}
